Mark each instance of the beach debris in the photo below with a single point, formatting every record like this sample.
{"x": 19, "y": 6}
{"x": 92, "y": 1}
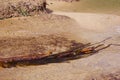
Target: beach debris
{"x": 46, "y": 54}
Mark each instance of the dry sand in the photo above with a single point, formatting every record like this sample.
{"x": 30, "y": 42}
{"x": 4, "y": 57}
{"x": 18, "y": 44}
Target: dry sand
{"x": 89, "y": 28}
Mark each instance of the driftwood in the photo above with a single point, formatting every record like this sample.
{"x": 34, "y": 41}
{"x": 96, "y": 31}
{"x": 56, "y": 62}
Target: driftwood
{"x": 6, "y": 62}
{"x": 72, "y": 53}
